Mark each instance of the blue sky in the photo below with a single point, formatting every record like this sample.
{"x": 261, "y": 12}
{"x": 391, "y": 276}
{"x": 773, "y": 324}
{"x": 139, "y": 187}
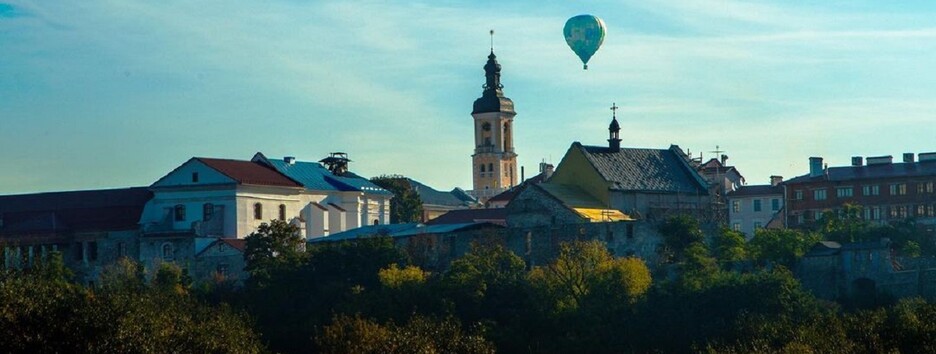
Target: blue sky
{"x": 97, "y": 94}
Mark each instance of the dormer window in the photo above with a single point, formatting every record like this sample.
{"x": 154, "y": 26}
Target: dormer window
{"x": 179, "y": 212}
{"x": 258, "y": 211}
{"x": 194, "y": 177}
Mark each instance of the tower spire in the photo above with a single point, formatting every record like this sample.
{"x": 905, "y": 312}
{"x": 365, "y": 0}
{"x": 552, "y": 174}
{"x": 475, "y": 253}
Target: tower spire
{"x": 492, "y": 41}
{"x": 614, "y": 139}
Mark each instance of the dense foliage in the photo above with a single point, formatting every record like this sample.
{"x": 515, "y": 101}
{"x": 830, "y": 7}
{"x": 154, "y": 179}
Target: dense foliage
{"x": 41, "y": 311}
{"x": 716, "y": 293}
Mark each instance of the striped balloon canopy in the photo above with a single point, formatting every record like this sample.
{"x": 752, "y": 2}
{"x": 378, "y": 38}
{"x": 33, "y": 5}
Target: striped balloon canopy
{"x": 584, "y": 34}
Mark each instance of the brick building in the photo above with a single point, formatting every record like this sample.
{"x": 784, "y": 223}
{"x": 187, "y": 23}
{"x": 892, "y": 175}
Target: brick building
{"x": 887, "y": 191}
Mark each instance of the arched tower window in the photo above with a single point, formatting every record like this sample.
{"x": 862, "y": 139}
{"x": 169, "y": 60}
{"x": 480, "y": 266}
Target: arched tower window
{"x": 179, "y": 212}
{"x": 506, "y": 136}
{"x": 491, "y": 167}
{"x": 482, "y": 168}
{"x": 282, "y": 212}
{"x": 258, "y": 211}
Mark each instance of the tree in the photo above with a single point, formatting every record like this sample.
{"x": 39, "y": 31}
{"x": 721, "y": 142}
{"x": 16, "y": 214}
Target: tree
{"x": 729, "y": 246}
{"x": 584, "y": 265}
{"x": 347, "y": 334}
{"x": 405, "y": 206}
{"x": 679, "y": 232}
{"x": 780, "y": 246}
{"x": 275, "y": 246}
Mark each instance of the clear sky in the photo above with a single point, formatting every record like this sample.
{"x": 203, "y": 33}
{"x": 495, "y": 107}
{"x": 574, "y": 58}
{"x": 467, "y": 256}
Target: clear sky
{"x": 97, "y": 94}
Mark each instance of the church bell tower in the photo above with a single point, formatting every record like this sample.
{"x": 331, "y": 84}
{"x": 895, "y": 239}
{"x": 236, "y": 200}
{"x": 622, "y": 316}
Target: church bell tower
{"x": 494, "y": 162}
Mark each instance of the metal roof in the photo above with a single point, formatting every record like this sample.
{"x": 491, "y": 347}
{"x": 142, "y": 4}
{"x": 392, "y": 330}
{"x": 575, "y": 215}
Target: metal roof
{"x": 874, "y": 171}
{"x": 648, "y": 170}
{"x": 403, "y": 230}
{"x": 314, "y": 176}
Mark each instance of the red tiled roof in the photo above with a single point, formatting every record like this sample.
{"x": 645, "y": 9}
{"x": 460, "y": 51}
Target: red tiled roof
{"x": 247, "y": 172}
{"x": 236, "y": 243}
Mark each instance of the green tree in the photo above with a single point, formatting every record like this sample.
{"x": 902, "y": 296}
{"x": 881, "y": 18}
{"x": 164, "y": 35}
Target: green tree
{"x": 275, "y": 246}
{"x": 405, "y": 206}
{"x": 679, "y": 232}
{"x": 347, "y": 334}
{"x": 729, "y": 246}
{"x": 780, "y": 246}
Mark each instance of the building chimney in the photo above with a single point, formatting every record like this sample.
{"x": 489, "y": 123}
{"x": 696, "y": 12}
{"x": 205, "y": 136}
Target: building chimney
{"x": 290, "y": 160}
{"x": 815, "y": 166}
{"x": 908, "y": 157}
{"x": 548, "y": 170}
{"x": 880, "y": 160}
{"x": 522, "y": 174}
{"x": 857, "y": 161}
{"x": 775, "y": 180}
{"x": 927, "y": 156}
{"x": 724, "y": 159}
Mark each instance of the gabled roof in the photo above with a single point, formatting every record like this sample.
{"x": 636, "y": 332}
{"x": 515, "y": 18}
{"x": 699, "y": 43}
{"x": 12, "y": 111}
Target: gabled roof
{"x": 314, "y": 176}
{"x": 235, "y": 243}
{"x": 875, "y": 171}
{"x": 248, "y": 172}
{"x": 92, "y": 210}
{"x": 462, "y": 216}
{"x": 431, "y": 196}
{"x": 510, "y": 194}
{"x": 746, "y": 191}
{"x": 646, "y": 170}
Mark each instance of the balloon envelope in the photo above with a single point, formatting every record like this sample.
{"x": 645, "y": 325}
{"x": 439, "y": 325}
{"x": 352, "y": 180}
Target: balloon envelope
{"x": 584, "y": 34}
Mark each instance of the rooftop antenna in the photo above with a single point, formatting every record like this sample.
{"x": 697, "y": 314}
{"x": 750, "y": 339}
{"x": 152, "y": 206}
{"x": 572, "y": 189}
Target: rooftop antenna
{"x": 492, "y": 41}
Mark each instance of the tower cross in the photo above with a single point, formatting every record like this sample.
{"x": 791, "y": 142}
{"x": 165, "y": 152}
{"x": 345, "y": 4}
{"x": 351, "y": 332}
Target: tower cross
{"x": 492, "y": 41}
{"x": 614, "y": 109}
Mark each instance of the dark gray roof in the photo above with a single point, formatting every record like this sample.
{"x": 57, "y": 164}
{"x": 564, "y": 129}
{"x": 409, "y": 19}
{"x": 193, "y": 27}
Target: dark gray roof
{"x": 649, "y": 170}
{"x": 848, "y": 173}
{"x": 403, "y": 230}
{"x": 765, "y": 189}
{"x": 428, "y": 195}
{"x": 90, "y": 210}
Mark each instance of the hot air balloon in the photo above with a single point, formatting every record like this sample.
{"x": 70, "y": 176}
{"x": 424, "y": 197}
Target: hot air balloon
{"x": 584, "y": 34}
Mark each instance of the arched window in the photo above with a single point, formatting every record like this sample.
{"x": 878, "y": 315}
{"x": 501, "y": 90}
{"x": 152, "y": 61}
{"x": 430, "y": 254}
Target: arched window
{"x": 490, "y": 167}
{"x": 258, "y": 211}
{"x": 282, "y": 212}
{"x": 482, "y": 168}
{"x": 376, "y": 222}
{"x": 179, "y": 212}
{"x": 207, "y": 211}
{"x": 168, "y": 252}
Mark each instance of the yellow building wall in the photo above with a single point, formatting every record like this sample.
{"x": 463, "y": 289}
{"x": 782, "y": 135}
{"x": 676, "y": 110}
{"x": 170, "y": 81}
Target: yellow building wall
{"x": 574, "y": 169}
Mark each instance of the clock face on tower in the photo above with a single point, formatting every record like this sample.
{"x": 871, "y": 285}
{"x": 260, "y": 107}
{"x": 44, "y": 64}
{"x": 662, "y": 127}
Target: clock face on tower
{"x": 486, "y": 126}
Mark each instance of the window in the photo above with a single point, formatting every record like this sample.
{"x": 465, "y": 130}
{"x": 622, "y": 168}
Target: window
{"x": 482, "y": 169}
{"x": 931, "y": 210}
{"x": 92, "y": 251}
{"x": 775, "y": 204}
{"x": 376, "y": 222}
{"x": 179, "y": 212}
{"x": 736, "y": 226}
{"x": 258, "y": 211}
{"x": 898, "y": 189}
{"x": 222, "y": 269}
{"x": 194, "y": 177}
{"x": 921, "y": 210}
{"x": 844, "y": 192}
{"x": 819, "y": 194}
{"x": 871, "y": 190}
{"x": 929, "y": 187}
{"x": 736, "y": 206}
{"x": 121, "y": 249}
{"x": 207, "y": 211}
{"x": 167, "y": 252}
{"x": 79, "y": 251}
{"x": 798, "y": 195}
{"x": 758, "y": 225}
{"x": 491, "y": 168}
{"x": 757, "y": 205}
{"x": 282, "y": 212}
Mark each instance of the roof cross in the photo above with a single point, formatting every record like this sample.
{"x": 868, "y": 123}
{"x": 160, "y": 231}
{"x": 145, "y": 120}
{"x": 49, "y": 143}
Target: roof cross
{"x": 614, "y": 109}
{"x": 492, "y": 41}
